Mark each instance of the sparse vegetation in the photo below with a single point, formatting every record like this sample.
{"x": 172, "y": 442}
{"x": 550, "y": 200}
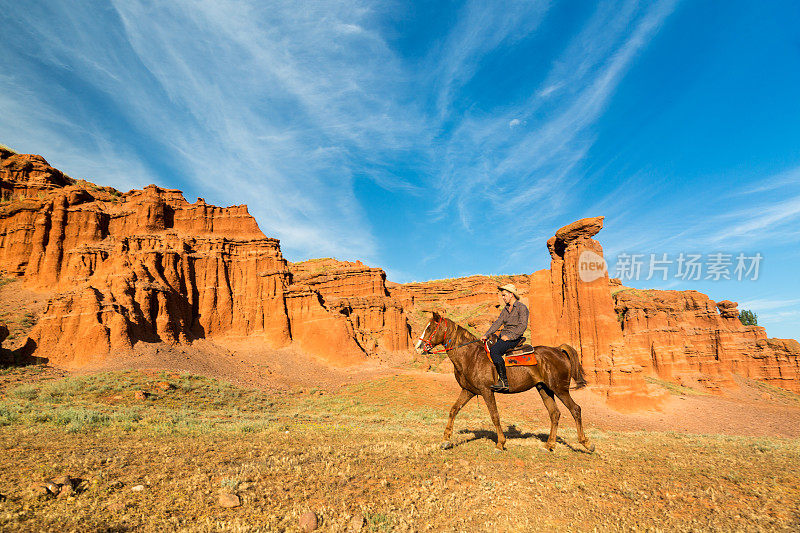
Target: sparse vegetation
{"x": 637, "y": 292}
{"x": 372, "y": 449}
{"x": 621, "y": 317}
{"x": 28, "y": 320}
{"x": 774, "y": 391}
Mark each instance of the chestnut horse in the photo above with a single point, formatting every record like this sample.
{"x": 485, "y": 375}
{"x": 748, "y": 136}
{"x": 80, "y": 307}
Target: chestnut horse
{"x": 475, "y": 373}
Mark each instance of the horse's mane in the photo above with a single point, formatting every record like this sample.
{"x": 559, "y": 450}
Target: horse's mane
{"x": 462, "y": 333}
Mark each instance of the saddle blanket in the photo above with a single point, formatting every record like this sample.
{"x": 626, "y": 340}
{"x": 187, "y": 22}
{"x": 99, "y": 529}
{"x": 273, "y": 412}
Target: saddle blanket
{"x": 527, "y": 357}
{"x": 521, "y": 356}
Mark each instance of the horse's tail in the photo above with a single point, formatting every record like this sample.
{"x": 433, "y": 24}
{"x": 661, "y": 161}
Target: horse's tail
{"x": 576, "y": 370}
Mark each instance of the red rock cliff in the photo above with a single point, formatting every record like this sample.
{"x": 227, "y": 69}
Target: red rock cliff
{"x": 685, "y": 337}
{"x": 149, "y": 266}
{"x": 359, "y": 293}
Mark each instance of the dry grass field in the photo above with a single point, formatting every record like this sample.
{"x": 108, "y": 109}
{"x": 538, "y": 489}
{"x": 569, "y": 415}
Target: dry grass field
{"x": 365, "y": 455}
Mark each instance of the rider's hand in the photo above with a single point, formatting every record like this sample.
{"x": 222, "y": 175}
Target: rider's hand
{"x": 483, "y": 339}
{"x": 503, "y": 338}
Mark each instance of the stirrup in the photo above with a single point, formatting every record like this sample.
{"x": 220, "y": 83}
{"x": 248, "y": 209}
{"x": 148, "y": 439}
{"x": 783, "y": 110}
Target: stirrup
{"x": 500, "y": 386}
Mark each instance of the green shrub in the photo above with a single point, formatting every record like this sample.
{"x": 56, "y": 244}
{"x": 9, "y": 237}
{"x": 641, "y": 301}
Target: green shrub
{"x": 8, "y": 416}
{"x": 748, "y": 318}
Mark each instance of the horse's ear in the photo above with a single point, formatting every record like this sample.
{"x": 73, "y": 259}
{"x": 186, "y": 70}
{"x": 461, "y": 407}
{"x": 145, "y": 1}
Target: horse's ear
{"x": 432, "y": 311}
{"x": 436, "y": 315}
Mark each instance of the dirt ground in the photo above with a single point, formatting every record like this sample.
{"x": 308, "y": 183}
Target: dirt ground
{"x": 154, "y": 450}
{"x": 151, "y": 441}
{"x": 750, "y": 409}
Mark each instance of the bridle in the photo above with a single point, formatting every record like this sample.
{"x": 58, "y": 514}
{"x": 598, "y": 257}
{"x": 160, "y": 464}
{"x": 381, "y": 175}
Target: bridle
{"x": 426, "y": 343}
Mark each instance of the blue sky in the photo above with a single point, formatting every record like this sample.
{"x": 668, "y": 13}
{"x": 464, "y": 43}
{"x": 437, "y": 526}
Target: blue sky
{"x": 437, "y": 139}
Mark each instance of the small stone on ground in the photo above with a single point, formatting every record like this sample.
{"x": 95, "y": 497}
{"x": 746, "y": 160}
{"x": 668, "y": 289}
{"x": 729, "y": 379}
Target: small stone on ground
{"x": 228, "y": 500}
{"x": 356, "y": 523}
{"x": 308, "y": 521}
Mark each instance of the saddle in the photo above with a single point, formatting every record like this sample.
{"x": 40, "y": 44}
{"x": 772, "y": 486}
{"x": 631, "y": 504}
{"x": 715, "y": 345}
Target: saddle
{"x": 519, "y": 355}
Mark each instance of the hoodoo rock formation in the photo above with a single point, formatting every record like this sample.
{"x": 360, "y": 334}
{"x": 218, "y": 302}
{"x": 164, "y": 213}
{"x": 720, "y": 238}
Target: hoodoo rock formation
{"x": 624, "y": 334}
{"x": 567, "y": 308}
{"x": 149, "y": 266}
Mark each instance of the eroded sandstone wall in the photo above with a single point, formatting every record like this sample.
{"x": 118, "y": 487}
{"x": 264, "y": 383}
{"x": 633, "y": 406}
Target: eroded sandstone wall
{"x": 148, "y": 266}
{"x": 358, "y": 293}
{"x": 686, "y": 337}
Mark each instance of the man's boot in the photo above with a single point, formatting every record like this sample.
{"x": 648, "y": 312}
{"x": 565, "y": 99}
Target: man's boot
{"x": 502, "y": 382}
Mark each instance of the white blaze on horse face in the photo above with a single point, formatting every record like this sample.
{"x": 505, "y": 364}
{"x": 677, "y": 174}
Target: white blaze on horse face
{"x": 418, "y": 345}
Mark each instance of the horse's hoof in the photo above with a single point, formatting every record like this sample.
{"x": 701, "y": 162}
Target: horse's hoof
{"x": 446, "y": 445}
{"x": 590, "y": 447}
{"x": 549, "y": 447}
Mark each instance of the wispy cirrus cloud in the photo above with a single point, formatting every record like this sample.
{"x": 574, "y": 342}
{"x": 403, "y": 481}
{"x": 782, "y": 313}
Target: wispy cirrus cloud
{"x": 767, "y": 304}
{"x": 759, "y": 223}
{"x": 253, "y": 101}
{"x": 288, "y": 108}
{"x": 68, "y": 141}
{"x": 480, "y": 29}
{"x": 788, "y": 319}
{"x": 787, "y": 178}
{"x": 487, "y": 168}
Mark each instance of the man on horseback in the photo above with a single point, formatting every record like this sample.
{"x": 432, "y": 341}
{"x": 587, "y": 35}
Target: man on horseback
{"x": 514, "y": 320}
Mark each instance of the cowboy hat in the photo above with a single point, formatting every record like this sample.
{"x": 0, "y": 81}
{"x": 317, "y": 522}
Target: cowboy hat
{"x": 510, "y": 288}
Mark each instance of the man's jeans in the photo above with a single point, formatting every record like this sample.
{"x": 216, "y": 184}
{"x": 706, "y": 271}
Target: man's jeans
{"x": 499, "y": 348}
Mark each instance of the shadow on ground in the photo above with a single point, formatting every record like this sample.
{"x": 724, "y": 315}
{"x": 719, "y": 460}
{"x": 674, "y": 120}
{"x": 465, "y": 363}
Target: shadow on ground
{"x": 514, "y": 433}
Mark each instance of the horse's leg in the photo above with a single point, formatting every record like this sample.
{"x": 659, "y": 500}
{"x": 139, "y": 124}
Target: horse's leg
{"x": 462, "y": 400}
{"x": 555, "y": 414}
{"x": 488, "y": 397}
{"x": 575, "y": 410}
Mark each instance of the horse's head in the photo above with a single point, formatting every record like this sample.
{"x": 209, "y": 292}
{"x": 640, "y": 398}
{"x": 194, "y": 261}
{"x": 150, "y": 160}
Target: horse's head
{"x": 433, "y": 334}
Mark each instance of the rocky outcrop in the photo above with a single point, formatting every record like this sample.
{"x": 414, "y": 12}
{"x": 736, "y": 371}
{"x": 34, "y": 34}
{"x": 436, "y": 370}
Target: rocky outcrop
{"x": 28, "y": 176}
{"x": 681, "y": 336}
{"x": 358, "y": 293}
{"x": 578, "y": 309}
{"x": 728, "y": 309}
{"x": 148, "y": 266}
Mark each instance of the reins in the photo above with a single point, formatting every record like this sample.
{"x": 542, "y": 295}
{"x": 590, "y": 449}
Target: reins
{"x": 428, "y": 346}
{"x": 455, "y": 347}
